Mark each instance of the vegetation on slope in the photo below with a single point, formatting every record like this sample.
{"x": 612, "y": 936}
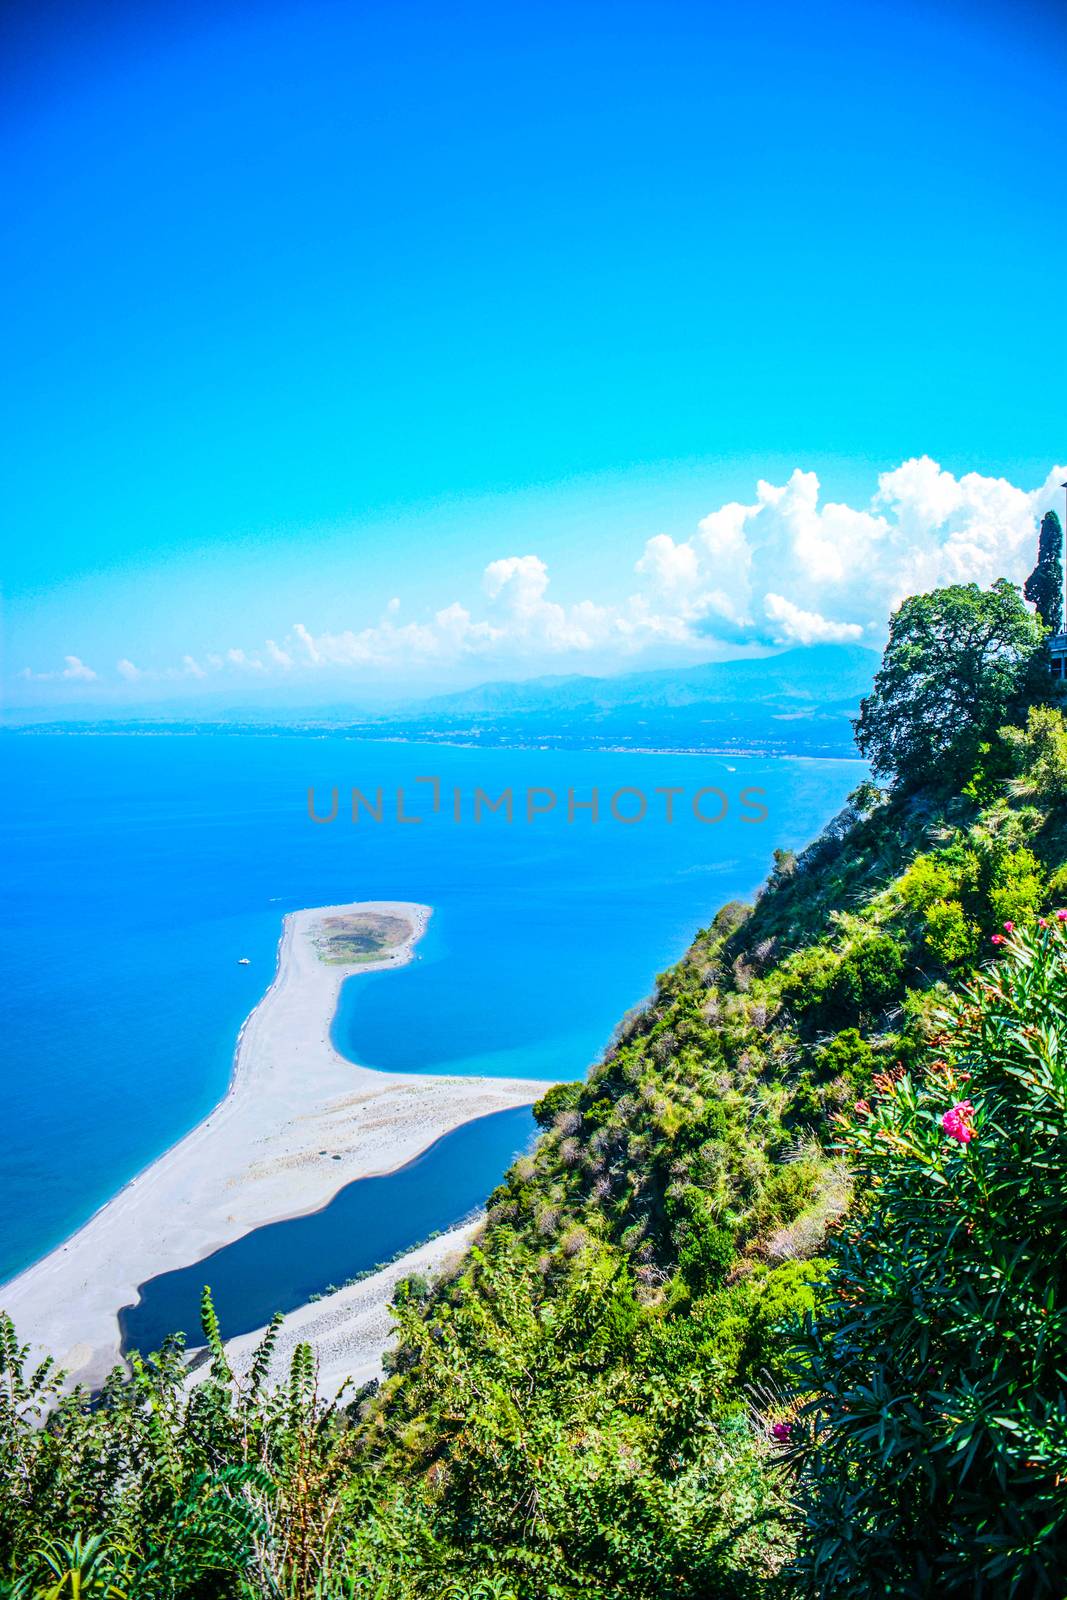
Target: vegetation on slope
{"x": 936, "y": 1426}
{"x": 611, "y": 1397}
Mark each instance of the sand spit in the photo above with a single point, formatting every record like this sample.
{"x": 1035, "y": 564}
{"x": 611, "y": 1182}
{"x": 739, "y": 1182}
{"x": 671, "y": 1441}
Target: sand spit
{"x": 297, "y": 1123}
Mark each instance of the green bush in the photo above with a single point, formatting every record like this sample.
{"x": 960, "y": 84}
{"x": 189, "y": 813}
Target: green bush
{"x": 1039, "y": 752}
{"x": 950, "y": 933}
{"x": 871, "y": 972}
{"x": 416, "y": 1286}
{"x": 705, "y": 1248}
{"x": 936, "y": 1440}
{"x": 781, "y": 1297}
{"x": 927, "y": 881}
{"x": 561, "y": 1097}
{"x": 809, "y": 978}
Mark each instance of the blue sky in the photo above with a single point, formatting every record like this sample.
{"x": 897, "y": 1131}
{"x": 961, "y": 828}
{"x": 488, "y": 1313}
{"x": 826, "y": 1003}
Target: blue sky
{"x": 410, "y": 326}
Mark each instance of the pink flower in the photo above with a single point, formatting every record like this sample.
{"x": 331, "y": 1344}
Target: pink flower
{"x": 1009, "y": 927}
{"x": 1061, "y": 916}
{"x": 1042, "y": 922}
{"x": 998, "y": 938}
{"x": 957, "y": 1122}
{"x": 782, "y": 1431}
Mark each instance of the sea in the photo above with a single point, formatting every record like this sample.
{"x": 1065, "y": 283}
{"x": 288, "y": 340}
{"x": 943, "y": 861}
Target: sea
{"x": 140, "y": 871}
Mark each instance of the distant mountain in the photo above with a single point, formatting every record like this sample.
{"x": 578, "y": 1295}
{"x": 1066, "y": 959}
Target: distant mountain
{"x": 799, "y": 700}
{"x": 816, "y": 674}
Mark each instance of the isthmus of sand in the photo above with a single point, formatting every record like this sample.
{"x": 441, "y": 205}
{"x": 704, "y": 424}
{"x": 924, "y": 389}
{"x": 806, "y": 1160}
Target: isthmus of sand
{"x": 297, "y": 1123}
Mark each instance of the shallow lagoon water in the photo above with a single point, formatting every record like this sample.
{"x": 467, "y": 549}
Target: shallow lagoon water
{"x": 277, "y": 1267}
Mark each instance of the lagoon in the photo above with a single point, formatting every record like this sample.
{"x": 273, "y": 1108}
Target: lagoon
{"x": 280, "y": 1266}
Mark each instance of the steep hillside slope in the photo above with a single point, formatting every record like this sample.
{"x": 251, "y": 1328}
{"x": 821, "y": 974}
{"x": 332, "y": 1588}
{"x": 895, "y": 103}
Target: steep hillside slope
{"x": 581, "y": 1396}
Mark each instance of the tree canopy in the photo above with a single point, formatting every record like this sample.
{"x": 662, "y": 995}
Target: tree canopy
{"x": 1044, "y": 586}
{"x": 960, "y": 662}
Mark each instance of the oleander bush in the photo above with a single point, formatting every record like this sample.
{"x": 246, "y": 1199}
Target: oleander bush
{"x": 935, "y": 1457}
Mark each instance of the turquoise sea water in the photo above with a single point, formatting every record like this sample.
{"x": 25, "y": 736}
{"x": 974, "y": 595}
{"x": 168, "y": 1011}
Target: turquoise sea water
{"x": 137, "y": 870}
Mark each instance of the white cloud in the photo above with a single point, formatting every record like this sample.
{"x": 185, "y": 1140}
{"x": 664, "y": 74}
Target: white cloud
{"x": 818, "y": 571}
{"x": 795, "y": 626}
{"x": 74, "y": 670}
{"x": 304, "y": 638}
{"x": 784, "y": 568}
{"x": 238, "y": 658}
{"x": 671, "y": 569}
{"x": 77, "y": 671}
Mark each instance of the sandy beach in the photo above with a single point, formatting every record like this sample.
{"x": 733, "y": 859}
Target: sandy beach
{"x": 297, "y": 1123}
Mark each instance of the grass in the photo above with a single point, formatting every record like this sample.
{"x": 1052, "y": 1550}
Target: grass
{"x": 363, "y": 937}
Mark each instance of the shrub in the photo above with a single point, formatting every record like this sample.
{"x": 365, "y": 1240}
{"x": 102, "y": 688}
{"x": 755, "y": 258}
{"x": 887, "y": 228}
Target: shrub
{"x": 1040, "y": 755}
{"x": 950, "y": 933}
{"x": 729, "y": 918}
{"x": 705, "y": 1248}
{"x": 561, "y": 1097}
{"x": 415, "y": 1287}
{"x": 782, "y": 1296}
{"x": 1000, "y": 881}
{"x": 937, "y": 1435}
{"x": 927, "y": 880}
{"x": 847, "y": 1055}
{"x": 871, "y": 972}
{"x": 1017, "y": 886}
{"x": 809, "y": 977}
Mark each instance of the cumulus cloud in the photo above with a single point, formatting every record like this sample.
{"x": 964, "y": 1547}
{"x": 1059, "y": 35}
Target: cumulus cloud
{"x": 795, "y": 626}
{"x": 672, "y": 570}
{"x": 787, "y": 567}
{"x": 77, "y": 671}
{"x": 784, "y": 568}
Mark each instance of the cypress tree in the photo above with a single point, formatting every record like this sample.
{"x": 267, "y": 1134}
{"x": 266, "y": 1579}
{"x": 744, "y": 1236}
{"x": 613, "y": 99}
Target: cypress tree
{"x": 1044, "y": 586}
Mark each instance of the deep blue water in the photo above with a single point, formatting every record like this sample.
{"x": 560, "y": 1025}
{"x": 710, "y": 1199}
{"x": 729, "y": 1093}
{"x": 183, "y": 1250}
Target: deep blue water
{"x": 137, "y": 870}
{"x": 276, "y": 1268}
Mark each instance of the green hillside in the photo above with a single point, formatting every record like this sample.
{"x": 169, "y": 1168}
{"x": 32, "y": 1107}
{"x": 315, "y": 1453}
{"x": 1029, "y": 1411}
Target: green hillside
{"x": 817, "y": 1114}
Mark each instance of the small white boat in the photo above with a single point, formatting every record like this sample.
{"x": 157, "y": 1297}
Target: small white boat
{"x": 244, "y": 961}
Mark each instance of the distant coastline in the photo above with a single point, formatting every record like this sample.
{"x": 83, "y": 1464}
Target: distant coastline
{"x": 840, "y": 749}
{"x": 297, "y": 1123}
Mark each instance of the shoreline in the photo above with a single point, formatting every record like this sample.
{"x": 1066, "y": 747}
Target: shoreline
{"x": 351, "y": 1329}
{"x": 297, "y": 1123}
{"x": 178, "y": 730}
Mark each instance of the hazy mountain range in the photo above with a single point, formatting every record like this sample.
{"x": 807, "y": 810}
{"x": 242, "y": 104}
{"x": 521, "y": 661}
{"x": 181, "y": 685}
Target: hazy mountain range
{"x": 799, "y": 700}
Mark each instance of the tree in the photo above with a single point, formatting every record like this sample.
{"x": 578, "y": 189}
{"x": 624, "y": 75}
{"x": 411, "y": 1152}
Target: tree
{"x": 1044, "y": 586}
{"x": 960, "y": 662}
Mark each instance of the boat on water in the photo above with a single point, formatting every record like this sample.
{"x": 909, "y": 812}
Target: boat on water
{"x": 244, "y": 961}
